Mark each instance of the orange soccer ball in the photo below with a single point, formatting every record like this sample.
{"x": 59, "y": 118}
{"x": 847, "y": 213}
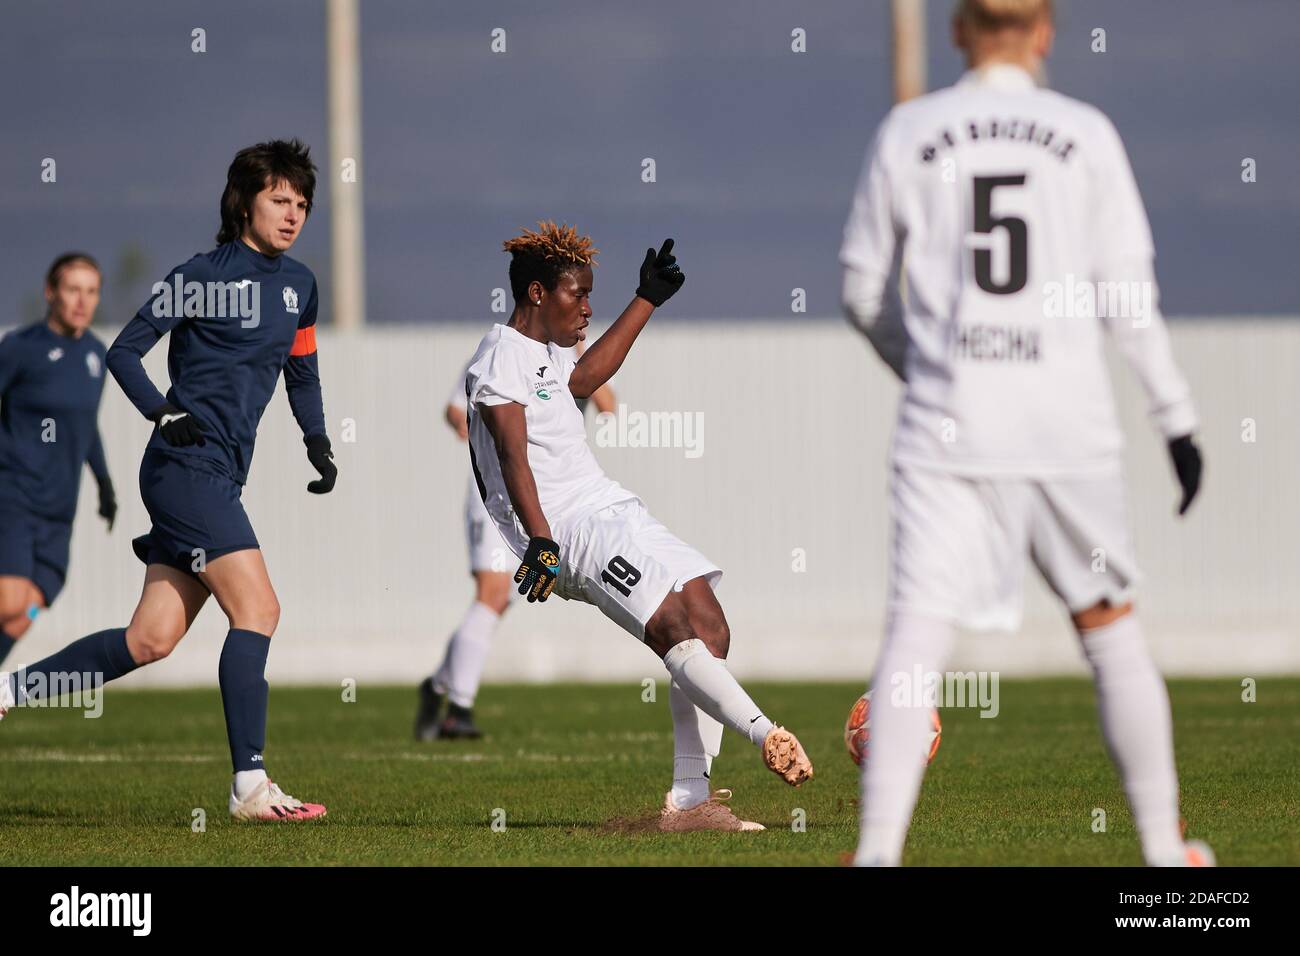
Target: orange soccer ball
{"x": 857, "y": 730}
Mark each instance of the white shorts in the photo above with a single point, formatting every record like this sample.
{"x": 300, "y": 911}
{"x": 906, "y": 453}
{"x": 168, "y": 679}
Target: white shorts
{"x": 625, "y": 562}
{"x": 488, "y": 551}
{"x": 959, "y": 544}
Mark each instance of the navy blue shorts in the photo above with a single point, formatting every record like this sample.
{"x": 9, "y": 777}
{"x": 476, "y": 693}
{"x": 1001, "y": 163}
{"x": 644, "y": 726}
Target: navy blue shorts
{"x": 196, "y": 512}
{"x": 34, "y": 548}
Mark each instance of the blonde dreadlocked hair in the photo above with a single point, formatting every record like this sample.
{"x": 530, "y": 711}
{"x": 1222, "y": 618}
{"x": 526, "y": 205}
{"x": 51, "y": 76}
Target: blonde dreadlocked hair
{"x": 546, "y": 254}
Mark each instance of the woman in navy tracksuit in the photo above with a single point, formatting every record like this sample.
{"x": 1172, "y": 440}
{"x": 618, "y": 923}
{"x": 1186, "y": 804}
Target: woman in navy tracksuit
{"x": 239, "y": 316}
{"x": 51, "y": 380}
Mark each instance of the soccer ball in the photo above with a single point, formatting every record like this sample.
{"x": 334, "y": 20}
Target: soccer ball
{"x": 857, "y": 730}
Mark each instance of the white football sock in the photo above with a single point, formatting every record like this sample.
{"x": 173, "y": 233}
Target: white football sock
{"x": 467, "y": 651}
{"x": 709, "y": 685}
{"x": 891, "y": 776}
{"x": 697, "y": 738}
{"x": 246, "y": 781}
{"x": 1134, "y": 707}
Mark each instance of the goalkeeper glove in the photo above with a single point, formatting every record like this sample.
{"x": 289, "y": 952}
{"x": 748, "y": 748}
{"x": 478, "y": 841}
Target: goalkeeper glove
{"x": 660, "y": 275}
{"x": 539, "y": 569}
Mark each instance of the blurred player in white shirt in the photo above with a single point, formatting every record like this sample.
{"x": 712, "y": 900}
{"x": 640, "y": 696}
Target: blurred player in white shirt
{"x": 1012, "y": 214}
{"x": 457, "y": 678}
{"x": 581, "y": 534}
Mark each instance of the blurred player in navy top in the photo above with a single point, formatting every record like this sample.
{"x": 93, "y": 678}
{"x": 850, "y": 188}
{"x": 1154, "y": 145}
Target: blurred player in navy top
{"x": 51, "y": 380}
{"x": 239, "y": 317}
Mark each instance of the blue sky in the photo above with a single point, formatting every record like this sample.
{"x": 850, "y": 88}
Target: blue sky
{"x": 757, "y": 148}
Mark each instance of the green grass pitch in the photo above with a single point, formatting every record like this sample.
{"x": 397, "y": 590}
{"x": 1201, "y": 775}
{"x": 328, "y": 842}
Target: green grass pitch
{"x": 580, "y": 771}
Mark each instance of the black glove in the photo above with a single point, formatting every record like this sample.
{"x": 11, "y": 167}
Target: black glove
{"x": 179, "y": 429}
{"x": 539, "y": 569}
{"x": 107, "y": 503}
{"x": 660, "y": 276}
{"x": 1187, "y": 465}
{"x": 322, "y": 459}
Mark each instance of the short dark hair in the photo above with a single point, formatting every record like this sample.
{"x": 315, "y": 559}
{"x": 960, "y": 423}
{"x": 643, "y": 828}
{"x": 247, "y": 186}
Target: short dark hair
{"x": 545, "y": 255}
{"x": 253, "y": 169}
{"x": 55, "y": 273}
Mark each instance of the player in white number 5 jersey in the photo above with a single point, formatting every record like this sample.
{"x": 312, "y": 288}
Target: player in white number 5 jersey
{"x": 1013, "y": 217}
{"x": 586, "y": 537}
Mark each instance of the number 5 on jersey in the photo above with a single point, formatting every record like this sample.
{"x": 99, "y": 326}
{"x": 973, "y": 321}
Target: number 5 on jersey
{"x": 1017, "y": 238}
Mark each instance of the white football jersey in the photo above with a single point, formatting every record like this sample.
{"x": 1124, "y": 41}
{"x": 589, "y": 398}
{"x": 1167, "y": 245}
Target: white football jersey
{"x": 1012, "y": 214}
{"x": 510, "y": 367}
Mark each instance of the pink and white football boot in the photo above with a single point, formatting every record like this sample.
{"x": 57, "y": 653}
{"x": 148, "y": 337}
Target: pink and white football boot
{"x": 269, "y": 802}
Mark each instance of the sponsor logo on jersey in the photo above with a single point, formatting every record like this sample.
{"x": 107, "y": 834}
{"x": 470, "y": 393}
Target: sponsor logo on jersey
{"x": 93, "y": 365}
{"x": 56, "y": 354}
{"x": 290, "y": 300}
{"x": 542, "y": 389}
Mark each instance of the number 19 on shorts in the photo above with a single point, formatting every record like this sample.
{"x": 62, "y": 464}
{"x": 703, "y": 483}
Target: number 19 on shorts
{"x": 620, "y": 575}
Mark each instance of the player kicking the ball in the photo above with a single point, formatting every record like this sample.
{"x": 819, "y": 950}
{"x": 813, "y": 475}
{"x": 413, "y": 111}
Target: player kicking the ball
{"x": 583, "y": 535}
{"x": 457, "y": 678}
{"x": 998, "y": 195}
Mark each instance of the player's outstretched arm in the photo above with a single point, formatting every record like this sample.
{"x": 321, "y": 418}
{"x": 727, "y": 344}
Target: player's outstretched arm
{"x": 603, "y": 397}
{"x": 660, "y": 279}
{"x": 541, "y": 562}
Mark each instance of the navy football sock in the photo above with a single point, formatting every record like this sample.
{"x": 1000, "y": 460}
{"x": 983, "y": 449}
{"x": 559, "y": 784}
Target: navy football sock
{"x": 244, "y": 693}
{"x": 6, "y": 645}
{"x": 99, "y": 658}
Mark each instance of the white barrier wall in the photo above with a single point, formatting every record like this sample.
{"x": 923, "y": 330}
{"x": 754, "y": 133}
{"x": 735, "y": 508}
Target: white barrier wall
{"x": 791, "y": 474}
